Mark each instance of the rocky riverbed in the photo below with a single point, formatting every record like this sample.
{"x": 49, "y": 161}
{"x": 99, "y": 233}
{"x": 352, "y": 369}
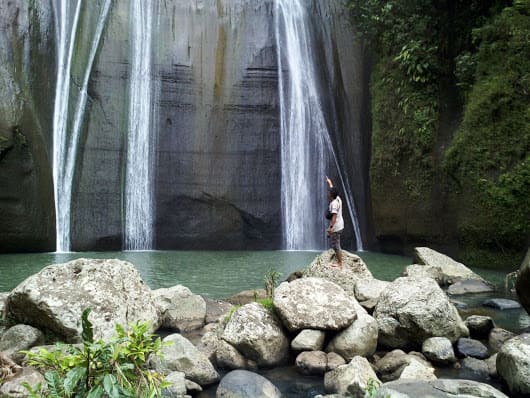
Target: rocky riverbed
{"x": 342, "y": 328}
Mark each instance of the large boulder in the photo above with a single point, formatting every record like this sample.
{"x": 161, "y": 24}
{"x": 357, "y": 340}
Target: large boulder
{"x": 258, "y": 335}
{"x": 245, "y": 384}
{"x": 358, "y": 339}
{"x": 54, "y": 299}
{"x": 312, "y": 362}
{"x": 308, "y": 340}
{"x": 351, "y": 379}
{"x": 180, "y": 309}
{"x": 471, "y": 348}
{"x": 479, "y": 326}
{"x": 179, "y": 354}
{"x": 425, "y": 271}
{"x": 513, "y": 364}
{"x": 369, "y": 289}
{"x": 441, "y": 388}
{"x": 14, "y": 388}
{"x": 314, "y": 303}
{"x": 392, "y": 364}
{"x": 522, "y": 283}
{"x": 452, "y": 270}
{"x": 353, "y": 269}
{"x": 410, "y": 310}
{"x": 439, "y": 350}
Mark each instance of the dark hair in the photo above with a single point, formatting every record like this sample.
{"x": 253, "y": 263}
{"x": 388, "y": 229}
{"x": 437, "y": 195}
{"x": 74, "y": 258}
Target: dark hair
{"x": 334, "y": 192}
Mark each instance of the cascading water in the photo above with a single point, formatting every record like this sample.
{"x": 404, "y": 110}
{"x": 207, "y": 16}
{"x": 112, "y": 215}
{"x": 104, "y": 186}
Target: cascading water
{"x": 138, "y": 234}
{"x": 66, "y": 131}
{"x": 306, "y": 149}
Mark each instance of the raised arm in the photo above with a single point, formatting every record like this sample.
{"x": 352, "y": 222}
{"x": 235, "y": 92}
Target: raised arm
{"x": 329, "y": 182}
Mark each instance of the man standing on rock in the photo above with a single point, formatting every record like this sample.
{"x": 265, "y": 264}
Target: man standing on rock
{"x": 336, "y": 222}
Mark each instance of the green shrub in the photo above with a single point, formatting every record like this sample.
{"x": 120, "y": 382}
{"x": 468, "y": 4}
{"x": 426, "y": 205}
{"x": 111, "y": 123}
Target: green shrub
{"x": 100, "y": 369}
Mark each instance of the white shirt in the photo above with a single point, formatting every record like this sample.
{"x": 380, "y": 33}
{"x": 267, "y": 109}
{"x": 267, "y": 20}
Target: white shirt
{"x": 335, "y": 207}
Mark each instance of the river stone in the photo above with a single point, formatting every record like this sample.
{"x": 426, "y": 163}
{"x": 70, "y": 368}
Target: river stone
{"x": 178, "y": 354}
{"x": 392, "y": 364}
{"x": 258, "y": 335}
{"x": 180, "y": 309}
{"x": 410, "y": 310}
{"x": 245, "y": 384}
{"x": 351, "y": 379}
{"x": 491, "y": 362}
{"x": 513, "y": 364}
{"x": 479, "y": 326}
{"x": 18, "y": 338}
{"x": 369, "y": 289}
{"x": 208, "y": 344}
{"x": 441, "y": 388}
{"x": 353, "y": 269}
{"x": 313, "y": 303}
{"x": 476, "y": 368}
{"x": 177, "y": 387}
{"x": 308, "y": 340}
{"x": 502, "y": 304}
{"x": 312, "y": 362}
{"x": 466, "y": 347}
{"x": 228, "y": 357}
{"x": 358, "y": 339}
{"x": 439, "y": 350}
{"x": 523, "y": 281}
{"x": 470, "y": 286}
{"x": 498, "y": 337}
{"x": 452, "y": 270}
{"x": 425, "y": 271}
{"x": 216, "y": 310}
{"x": 416, "y": 370}
{"x": 13, "y": 388}
{"x": 54, "y": 299}
{"x": 334, "y": 360}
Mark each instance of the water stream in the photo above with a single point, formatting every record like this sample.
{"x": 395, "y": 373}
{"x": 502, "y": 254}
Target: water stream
{"x": 138, "y": 233}
{"x": 67, "y": 130}
{"x": 306, "y": 148}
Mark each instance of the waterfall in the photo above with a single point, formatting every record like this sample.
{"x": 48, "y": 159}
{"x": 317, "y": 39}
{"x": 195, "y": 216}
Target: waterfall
{"x": 306, "y": 148}
{"x": 138, "y": 234}
{"x": 65, "y": 131}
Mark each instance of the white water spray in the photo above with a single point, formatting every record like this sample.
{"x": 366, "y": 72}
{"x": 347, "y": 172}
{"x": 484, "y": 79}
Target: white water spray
{"x": 306, "y": 148}
{"x": 138, "y": 234}
{"x": 66, "y": 132}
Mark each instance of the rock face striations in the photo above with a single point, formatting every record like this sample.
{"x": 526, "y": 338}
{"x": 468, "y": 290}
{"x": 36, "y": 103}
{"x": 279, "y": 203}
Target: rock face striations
{"x": 216, "y": 121}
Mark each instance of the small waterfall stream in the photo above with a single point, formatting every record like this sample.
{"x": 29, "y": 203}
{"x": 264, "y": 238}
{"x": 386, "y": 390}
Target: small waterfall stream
{"x": 306, "y": 149}
{"x": 66, "y": 131}
{"x": 138, "y": 234}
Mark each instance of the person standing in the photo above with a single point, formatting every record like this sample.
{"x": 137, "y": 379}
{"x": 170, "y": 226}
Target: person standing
{"x": 336, "y": 222}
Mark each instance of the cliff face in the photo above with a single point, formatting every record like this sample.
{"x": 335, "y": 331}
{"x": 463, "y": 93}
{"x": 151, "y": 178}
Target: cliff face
{"x": 216, "y": 124}
{"x": 26, "y": 97}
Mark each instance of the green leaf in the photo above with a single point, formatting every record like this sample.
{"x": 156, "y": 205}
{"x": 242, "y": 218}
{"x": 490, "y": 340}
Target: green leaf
{"x": 88, "y": 332}
{"x": 72, "y": 379}
{"x": 110, "y": 384}
{"x": 95, "y": 392}
{"x": 55, "y": 386}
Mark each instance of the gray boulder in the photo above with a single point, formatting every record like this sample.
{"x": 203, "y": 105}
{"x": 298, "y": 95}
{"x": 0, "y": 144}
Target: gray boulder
{"x": 314, "y": 303}
{"x": 452, "y": 270}
{"x": 417, "y": 370}
{"x": 228, "y": 357}
{"x": 392, "y": 364}
{"x": 479, "y": 326}
{"x": 258, "y": 335}
{"x": 353, "y": 270}
{"x": 513, "y": 364}
{"x": 182, "y": 356}
{"x": 441, "y": 388}
{"x": 497, "y": 337}
{"x": 179, "y": 308}
{"x": 502, "y": 304}
{"x": 308, "y": 340}
{"x": 312, "y": 362}
{"x": 358, "y": 339}
{"x": 426, "y": 271}
{"x": 523, "y": 281}
{"x": 491, "y": 362}
{"x": 13, "y": 388}
{"x": 471, "y": 348}
{"x": 351, "y": 379}
{"x": 439, "y": 350}
{"x": 410, "y": 310}
{"x": 18, "y": 338}
{"x": 470, "y": 286}
{"x": 334, "y": 360}
{"x": 245, "y": 384}
{"x": 475, "y": 368}
{"x": 369, "y": 289}
{"x": 54, "y": 299}
{"x": 177, "y": 387}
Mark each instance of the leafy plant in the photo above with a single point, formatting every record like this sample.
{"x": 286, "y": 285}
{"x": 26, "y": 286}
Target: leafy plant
{"x": 100, "y": 369}
{"x": 372, "y": 388}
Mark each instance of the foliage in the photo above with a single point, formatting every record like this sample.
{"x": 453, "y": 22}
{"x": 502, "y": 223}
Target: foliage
{"x": 372, "y": 389}
{"x": 100, "y": 369}
{"x": 267, "y": 303}
{"x": 270, "y": 280}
